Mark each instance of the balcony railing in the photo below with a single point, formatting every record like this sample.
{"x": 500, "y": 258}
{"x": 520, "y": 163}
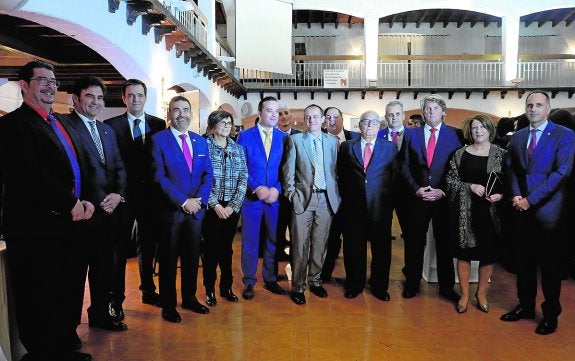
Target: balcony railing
{"x": 419, "y": 74}
{"x": 191, "y": 21}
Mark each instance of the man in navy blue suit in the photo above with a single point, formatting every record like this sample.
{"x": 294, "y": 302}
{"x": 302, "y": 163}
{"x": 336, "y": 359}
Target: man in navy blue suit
{"x": 366, "y": 171}
{"x": 183, "y": 175}
{"x": 109, "y": 178}
{"x": 423, "y": 163}
{"x": 263, "y": 146}
{"x": 539, "y": 163}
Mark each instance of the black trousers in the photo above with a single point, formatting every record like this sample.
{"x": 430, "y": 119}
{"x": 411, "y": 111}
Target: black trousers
{"x": 333, "y": 246}
{"x": 415, "y": 237}
{"x": 538, "y": 244}
{"x": 179, "y": 240}
{"x": 355, "y": 237}
{"x": 217, "y": 248}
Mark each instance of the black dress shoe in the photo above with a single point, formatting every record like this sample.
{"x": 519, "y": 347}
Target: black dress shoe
{"x": 211, "y": 298}
{"x": 350, "y": 294}
{"x": 248, "y": 292}
{"x": 408, "y": 294}
{"x": 282, "y": 256}
{"x": 228, "y": 295}
{"x": 171, "y": 315}
{"x": 107, "y": 323}
{"x": 275, "y": 288}
{"x": 75, "y": 356}
{"x": 298, "y": 298}
{"x": 546, "y": 327}
{"x": 116, "y": 311}
{"x": 380, "y": 295}
{"x": 151, "y": 298}
{"x": 319, "y": 291}
{"x": 196, "y": 307}
{"x": 76, "y": 343}
{"x": 518, "y": 313}
{"x": 281, "y": 278}
{"x": 450, "y": 295}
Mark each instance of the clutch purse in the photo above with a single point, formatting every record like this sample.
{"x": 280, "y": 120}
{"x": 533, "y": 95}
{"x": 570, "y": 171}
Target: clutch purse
{"x": 494, "y": 184}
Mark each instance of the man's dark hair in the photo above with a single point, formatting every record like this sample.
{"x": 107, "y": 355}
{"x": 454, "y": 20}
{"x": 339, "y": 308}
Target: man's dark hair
{"x": 266, "y": 99}
{"x": 27, "y": 71}
{"x": 176, "y": 99}
{"x": 547, "y": 98}
{"x": 313, "y": 106}
{"x": 134, "y": 82}
{"x": 85, "y": 82}
{"x": 328, "y": 109}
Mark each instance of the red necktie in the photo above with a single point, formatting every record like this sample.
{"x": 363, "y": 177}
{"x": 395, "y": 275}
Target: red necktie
{"x": 367, "y": 156}
{"x": 431, "y": 147}
{"x": 394, "y": 137}
{"x": 186, "y": 150}
{"x": 532, "y": 144}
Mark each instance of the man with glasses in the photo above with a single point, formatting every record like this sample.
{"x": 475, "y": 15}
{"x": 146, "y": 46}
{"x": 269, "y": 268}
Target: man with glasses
{"x": 423, "y": 160}
{"x": 133, "y": 131}
{"x": 310, "y": 185}
{"x": 45, "y": 182}
{"x": 366, "y": 172}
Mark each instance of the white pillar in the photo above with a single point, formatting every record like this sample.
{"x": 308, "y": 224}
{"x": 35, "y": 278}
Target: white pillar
{"x": 370, "y": 37}
{"x": 510, "y": 46}
{"x": 208, "y": 8}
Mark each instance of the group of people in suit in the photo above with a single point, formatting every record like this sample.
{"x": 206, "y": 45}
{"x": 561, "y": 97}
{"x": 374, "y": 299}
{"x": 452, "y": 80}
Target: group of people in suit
{"x": 103, "y": 184}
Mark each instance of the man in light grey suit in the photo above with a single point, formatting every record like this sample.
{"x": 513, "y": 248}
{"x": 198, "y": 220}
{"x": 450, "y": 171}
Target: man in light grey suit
{"x": 309, "y": 183}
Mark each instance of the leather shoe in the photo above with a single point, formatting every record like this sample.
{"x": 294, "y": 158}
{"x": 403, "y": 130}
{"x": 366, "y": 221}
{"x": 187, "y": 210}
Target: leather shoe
{"x": 75, "y": 356}
{"x": 228, "y": 295}
{"x": 66, "y": 356}
{"x": 275, "y": 288}
{"x": 107, "y": 323}
{"x": 546, "y": 327}
{"x": 248, "y": 292}
{"x": 450, "y": 295}
{"x": 350, "y": 294}
{"x": 196, "y": 307}
{"x": 408, "y": 294}
{"x": 518, "y": 313}
{"x": 76, "y": 342}
{"x": 211, "y": 298}
{"x": 319, "y": 291}
{"x": 298, "y": 298}
{"x": 116, "y": 311}
{"x": 380, "y": 295}
{"x": 171, "y": 315}
{"x": 151, "y": 298}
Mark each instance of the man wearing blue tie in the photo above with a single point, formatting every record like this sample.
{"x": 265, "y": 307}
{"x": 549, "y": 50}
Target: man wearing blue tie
{"x": 183, "y": 175}
{"x": 539, "y": 163}
{"x": 263, "y": 147}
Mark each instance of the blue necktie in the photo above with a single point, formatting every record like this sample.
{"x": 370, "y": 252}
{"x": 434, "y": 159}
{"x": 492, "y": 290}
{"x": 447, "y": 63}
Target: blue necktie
{"x": 70, "y": 153}
{"x": 137, "y": 132}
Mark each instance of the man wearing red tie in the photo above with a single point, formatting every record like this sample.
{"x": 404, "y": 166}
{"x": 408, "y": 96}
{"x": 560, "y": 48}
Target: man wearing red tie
{"x": 423, "y": 159}
{"x": 183, "y": 175}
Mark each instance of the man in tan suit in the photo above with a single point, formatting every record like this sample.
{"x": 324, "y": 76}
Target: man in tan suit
{"x": 309, "y": 183}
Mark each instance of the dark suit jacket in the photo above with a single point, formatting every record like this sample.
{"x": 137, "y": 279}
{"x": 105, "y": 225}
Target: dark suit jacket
{"x": 136, "y": 158}
{"x": 413, "y": 157}
{"x": 38, "y": 177}
{"x": 383, "y": 134}
{"x": 366, "y": 194}
{"x": 350, "y": 135}
{"x": 542, "y": 180}
{"x": 173, "y": 178}
{"x": 262, "y": 171}
{"x": 108, "y": 177}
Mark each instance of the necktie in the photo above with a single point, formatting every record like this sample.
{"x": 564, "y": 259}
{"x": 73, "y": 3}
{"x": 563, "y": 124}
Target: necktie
{"x": 186, "y": 150}
{"x": 430, "y": 147}
{"x": 137, "y": 132}
{"x": 318, "y": 174}
{"x": 69, "y": 152}
{"x": 532, "y": 144}
{"x": 96, "y": 139}
{"x": 367, "y": 156}
{"x": 267, "y": 142}
{"x": 394, "y": 137}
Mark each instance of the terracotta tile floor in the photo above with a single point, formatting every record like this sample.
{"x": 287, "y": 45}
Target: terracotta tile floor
{"x": 271, "y": 327}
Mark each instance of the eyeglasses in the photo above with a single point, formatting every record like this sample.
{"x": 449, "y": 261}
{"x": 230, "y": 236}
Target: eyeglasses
{"x": 225, "y": 124}
{"x": 43, "y": 81}
{"x": 370, "y": 122}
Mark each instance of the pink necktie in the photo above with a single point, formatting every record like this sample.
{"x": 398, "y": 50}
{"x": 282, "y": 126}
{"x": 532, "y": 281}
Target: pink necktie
{"x": 186, "y": 150}
{"x": 366, "y": 156}
{"x": 430, "y": 147}
{"x": 532, "y": 144}
{"x": 394, "y": 137}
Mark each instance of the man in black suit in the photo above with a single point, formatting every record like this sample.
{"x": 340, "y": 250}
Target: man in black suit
{"x": 45, "y": 183}
{"x": 133, "y": 131}
{"x": 333, "y": 124}
{"x": 366, "y": 172}
{"x": 109, "y": 177}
